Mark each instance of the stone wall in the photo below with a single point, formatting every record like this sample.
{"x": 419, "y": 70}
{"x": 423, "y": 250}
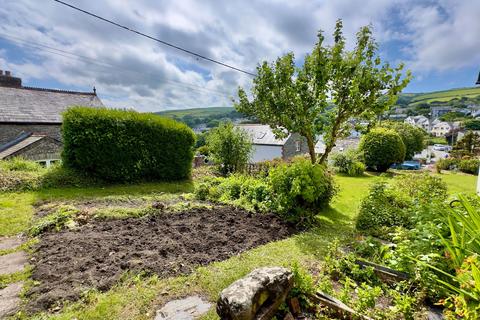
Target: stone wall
{"x": 8, "y": 132}
{"x": 44, "y": 149}
{"x": 290, "y": 148}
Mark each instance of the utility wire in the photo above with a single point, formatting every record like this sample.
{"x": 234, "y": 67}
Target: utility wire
{"x": 155, "y": 39}
{"x": 71, "y": 55}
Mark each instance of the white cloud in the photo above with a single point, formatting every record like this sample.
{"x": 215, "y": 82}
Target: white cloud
{"x": 152, "y": 77}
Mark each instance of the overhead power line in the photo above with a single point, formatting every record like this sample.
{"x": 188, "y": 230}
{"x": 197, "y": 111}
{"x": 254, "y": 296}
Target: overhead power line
{"x": 155, "y": 39}
{"x": 118, "y": 68}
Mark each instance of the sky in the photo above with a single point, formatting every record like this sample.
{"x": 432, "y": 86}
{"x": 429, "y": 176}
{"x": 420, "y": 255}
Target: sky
{"x": 50, "y": 45}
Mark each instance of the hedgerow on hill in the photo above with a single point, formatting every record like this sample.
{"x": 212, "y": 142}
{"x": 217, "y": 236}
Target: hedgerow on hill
{"x": 118, "y": 145}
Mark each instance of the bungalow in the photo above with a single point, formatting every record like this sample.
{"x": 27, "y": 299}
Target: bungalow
{"x": 31, "y": 118}
{"x": 267, "y": 147}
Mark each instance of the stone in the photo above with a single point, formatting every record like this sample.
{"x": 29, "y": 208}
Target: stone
{"x": 184, "y": 309}
{"x": 9, "y": 299}
{"x": 12, "y": 262}
{"x": 256, "y": 296}
{"x": 10, "y": 243}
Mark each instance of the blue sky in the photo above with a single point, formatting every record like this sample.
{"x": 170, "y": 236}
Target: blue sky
{"x": 439, "y": 41}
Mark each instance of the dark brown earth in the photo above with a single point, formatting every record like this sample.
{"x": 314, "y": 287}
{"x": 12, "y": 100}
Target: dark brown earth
{"x": 96, "y": 255}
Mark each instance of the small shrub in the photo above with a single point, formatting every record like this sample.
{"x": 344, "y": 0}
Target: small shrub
{"x": 20, "y": 164}
{"x": 348, "y": 162}
{"x": 469, "y": 166}
{"x": 382, "y": 208}
{"x": 356, "y": 169}
{"x": 299, "y": 189}
{"x": 447, "y": 164}
{"x": 18, "y": 181}
{"x": 229, "y": 147}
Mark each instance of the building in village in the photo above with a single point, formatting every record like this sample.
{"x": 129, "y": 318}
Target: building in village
{"x": 267, "y": 147}
{"x": 30, "y": 118}
{"x": 419, "y": 121}
{"x": 441, "y": 129}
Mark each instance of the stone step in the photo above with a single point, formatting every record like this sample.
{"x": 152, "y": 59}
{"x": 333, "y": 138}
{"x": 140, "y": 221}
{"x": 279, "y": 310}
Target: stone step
{"x": 13, "y": 262}
{"x": 10, "y": 299}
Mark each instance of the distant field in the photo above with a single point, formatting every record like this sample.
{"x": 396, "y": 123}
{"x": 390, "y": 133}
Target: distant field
{"x": 409, "y": 100}
{"x": 197, "y": 112}
{"x": 446, "y": 95}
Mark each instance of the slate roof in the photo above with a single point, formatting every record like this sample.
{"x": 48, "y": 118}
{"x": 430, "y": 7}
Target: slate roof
{"x": 19, "y": 145}
{"x": 37, "y": 105}
{"x": 262, "y": 134}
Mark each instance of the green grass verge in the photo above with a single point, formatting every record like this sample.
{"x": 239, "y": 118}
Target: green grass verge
{"x": 137, "y": 297}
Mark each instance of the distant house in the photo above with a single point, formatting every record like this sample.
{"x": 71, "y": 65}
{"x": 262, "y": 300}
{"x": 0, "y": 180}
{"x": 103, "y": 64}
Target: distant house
{"x": 30, "y": 118}
{"x": 441, "y": 129}
{"x": 440, "y": 110}
{"x": 419, "y": 121}
{"x": 267, "y": 147}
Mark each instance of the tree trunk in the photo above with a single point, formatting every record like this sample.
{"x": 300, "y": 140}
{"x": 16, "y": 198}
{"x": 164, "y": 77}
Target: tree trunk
{"x": 311, "y": 149}
{"x": 324, "y": 156}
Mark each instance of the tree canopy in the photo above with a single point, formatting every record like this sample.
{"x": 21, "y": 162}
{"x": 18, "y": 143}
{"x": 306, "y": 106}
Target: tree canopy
{"x": 413, "y": 137}
{"x": 332, "y": 87}
{"x": 381, "y": 148}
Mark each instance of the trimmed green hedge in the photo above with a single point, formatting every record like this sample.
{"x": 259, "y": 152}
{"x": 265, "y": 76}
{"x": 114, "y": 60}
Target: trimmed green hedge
{"x": 118, "y": 145}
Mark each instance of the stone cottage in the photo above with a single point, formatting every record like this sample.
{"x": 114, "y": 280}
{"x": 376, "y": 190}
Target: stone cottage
{"x": 30, "y": 118}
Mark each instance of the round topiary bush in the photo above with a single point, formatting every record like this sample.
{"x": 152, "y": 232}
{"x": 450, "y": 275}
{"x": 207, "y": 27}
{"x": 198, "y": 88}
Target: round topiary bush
{"x": 381, "y": 148}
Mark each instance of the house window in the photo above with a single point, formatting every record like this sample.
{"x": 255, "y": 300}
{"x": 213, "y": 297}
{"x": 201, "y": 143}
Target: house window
{"x": 297, "y": 146}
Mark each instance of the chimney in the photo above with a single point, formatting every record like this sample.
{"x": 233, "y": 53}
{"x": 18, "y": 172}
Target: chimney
{"x": 6, "y": 80}
{"x": 1, "y": 72}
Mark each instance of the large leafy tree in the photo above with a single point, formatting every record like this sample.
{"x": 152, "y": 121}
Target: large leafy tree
{"x": 332, "y": 87}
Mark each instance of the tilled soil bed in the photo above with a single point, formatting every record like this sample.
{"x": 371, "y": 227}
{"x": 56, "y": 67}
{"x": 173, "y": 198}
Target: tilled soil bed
{"x": 98, "y": 253}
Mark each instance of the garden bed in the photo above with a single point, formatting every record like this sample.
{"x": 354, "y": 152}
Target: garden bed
{"x": 97, "y": 254}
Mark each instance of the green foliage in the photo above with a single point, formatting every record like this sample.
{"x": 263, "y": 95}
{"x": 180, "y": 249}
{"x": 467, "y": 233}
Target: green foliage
{"x": 20, "y": 164}
{"x": 469, "y": 166}
{"x": 452, "y": 116}
{"x": 301, "y": 188}
{"x": 314, "y": 99}
{"x": 348, "y": 162}
{"x": 381, "y": 210}
{"x": 117, "y": 145}
{"x": 473, "y": 124}
{"x": 468, "y": 145}
{"x": 412, "y": 137}
{"x": 464, "y": 165}
{"x": 381, "y": 148}
{"x": 58, "y": 220}
{"x": 462, "y": 248}
{"x": 295, "y": 191}
{"x": 394, "y": 205}
{"x": 229, "y": 147}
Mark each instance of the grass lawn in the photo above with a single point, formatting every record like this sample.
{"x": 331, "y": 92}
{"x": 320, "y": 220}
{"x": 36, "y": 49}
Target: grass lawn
{"x": 138, "y": 296}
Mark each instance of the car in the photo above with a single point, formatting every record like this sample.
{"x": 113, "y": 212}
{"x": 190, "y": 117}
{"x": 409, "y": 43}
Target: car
{"x": 440, "y": 147}
{"x": 407, "y": 165}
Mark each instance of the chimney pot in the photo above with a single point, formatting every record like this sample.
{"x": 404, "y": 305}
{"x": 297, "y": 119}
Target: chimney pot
{"x": 8, "y": 73}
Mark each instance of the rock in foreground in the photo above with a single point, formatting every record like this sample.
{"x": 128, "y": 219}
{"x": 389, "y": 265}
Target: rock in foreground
{"x": 257, "y": 296}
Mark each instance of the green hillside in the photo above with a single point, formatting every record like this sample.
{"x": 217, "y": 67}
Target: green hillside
{"x": 411, "y": 103}
{"x": 197, "y": 112}
{"x": 460, "y": 97}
